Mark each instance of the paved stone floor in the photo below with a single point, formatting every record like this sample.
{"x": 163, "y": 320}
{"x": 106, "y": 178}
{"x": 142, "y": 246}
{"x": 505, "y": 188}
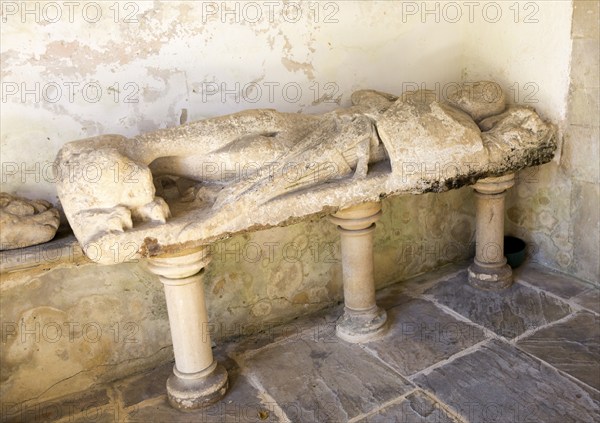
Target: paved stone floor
{"x": 452, "y": 354}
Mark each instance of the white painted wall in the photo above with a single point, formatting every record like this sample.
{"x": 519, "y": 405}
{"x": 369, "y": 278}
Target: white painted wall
{"x": 170, "y": 56}
{"x": 527, "y": 51}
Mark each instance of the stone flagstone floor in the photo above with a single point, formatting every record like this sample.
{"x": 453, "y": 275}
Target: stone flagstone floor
{"x": 452, "y": 354}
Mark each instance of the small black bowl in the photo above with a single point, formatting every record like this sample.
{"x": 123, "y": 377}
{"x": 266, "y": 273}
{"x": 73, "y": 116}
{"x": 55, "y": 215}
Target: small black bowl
{"x": 514, "y": 250}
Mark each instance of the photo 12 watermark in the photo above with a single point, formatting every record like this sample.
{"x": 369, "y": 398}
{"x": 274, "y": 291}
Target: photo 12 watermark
{"x": 52, "y": 12}
{"x": 322, "y": 332}
{"x": 251, "y": 12}
{"x": 491, "y": 412}
{"x": 270, "y": 252}
{"x": 517, "y": 92}
{"x": 86, "y": 410}
{"x": 69, "y": 92}
{"x": 52, "y": 332}
{"x": 490, "y": 12}
{"x": 252, "y": 92}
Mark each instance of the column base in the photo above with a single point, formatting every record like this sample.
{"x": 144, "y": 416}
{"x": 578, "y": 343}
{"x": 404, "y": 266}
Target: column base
{"x": 490, "y": 278}
{"x": 187, "y": 392}
{"x": 361, "y": 326}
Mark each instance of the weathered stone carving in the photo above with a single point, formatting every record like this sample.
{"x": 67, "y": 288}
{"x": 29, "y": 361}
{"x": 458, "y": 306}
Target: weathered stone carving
{"x": 261, "y": 168}
{"x": 26, "y": 222}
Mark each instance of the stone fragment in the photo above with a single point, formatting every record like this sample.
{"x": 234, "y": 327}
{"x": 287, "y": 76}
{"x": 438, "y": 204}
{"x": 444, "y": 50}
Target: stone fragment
{"x": 111, "y": 191}
{"x": 26, "y": 222}
{"x": 421, "y": 133}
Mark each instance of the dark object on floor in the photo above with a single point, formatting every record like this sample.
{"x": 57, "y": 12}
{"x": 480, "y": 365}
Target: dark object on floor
{"x": 514, "y": 250}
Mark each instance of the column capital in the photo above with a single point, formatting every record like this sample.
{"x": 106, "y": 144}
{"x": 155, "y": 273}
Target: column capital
{"x": 360, "y": 216}
{"x": 181, "y": 265}
{"x": 494, "y": 185}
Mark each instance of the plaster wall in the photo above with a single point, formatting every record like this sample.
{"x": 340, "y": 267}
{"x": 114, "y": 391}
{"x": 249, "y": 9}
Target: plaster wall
{"x": 525, "y": 47}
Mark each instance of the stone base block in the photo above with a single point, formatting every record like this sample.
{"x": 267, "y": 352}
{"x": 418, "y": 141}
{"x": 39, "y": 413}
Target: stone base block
{"x": 188, "y": 393}
{"x": 490, "y": 278}
{"x": 361, "y": 326}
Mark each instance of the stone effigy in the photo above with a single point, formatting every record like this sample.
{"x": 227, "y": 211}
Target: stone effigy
{"x": 26, "y": 222}
{"x": 168, "y": 194}
{"x": 261, "y": 168}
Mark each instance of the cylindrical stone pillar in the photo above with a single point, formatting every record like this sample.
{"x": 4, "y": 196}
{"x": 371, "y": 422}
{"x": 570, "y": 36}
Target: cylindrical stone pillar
{"x": 197, "y": 380}
{"x": 489, "y": 270}
{"x": 362, "y": 320}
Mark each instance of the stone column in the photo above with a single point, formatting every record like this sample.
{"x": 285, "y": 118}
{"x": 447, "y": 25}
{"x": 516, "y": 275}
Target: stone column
{"x": 489, "y": 270}
{"x": 362, "y": 320}
{"x": 197, "y": 379}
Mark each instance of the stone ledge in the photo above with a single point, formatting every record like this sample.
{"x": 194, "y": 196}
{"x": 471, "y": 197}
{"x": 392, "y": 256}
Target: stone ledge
{"x": 62, "y": 250}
